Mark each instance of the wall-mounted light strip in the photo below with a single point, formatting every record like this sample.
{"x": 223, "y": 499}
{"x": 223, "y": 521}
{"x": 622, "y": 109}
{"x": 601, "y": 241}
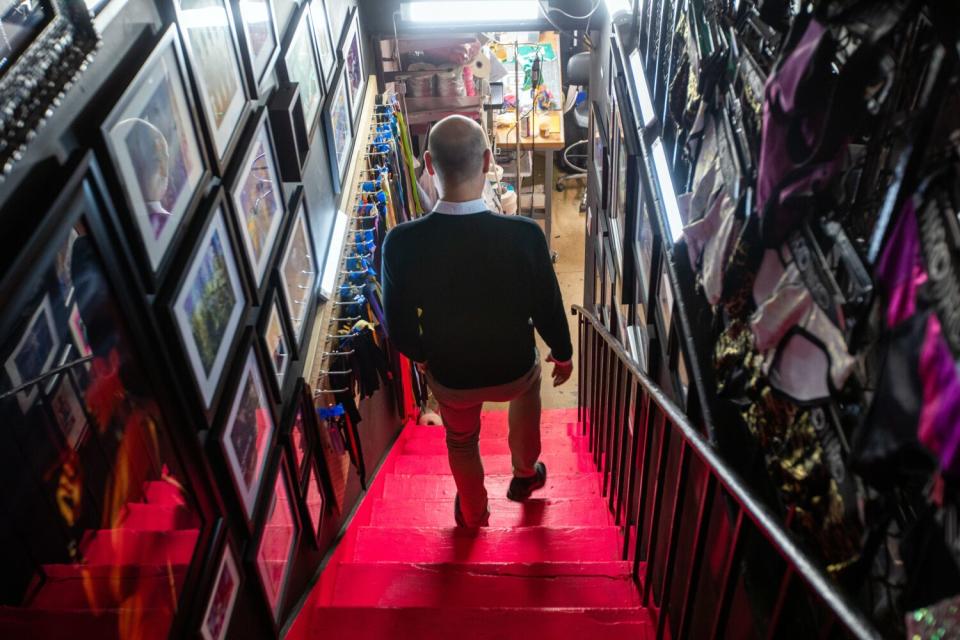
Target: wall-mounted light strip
{"x": 647, "y": 112}
{"x": 615, "y": 7}
{"x": 470, "y": 11}
{"x": 332, "y": 263}
{"x": 667, "y": 194}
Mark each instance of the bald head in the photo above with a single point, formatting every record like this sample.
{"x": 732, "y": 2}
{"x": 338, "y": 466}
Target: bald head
{"x": 458, "y": 153}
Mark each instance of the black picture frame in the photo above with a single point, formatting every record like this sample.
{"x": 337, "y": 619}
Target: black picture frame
{"x": 251, "y": 185}
{"x": 290, "y": 131}
{"x": 221, "y": 147}
{"x": 223, "y": 563}
{"x": 213, "y": 233}
{"x": 165, "y": 219}
{"x": 271, "y": 505}
{"x": 258, "y": 65}
{"x": 339, "y": 150}
{"x": 300, "y": 40}
{"x": 600, "y": 144}
{"x": 316, "y": 498}
{"x": 298, "y": 289}
{"x": 272, "y": 327}
{"x": 34, "y": 83}
{"x": 299, "y": 428}
{"x": 351, "y": 56}
{"x": 326, "y": 43}
{"x": 248, "y": 379}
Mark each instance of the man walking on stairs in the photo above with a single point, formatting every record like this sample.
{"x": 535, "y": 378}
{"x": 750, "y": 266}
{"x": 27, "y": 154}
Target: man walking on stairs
{"x": 463, "y": 290}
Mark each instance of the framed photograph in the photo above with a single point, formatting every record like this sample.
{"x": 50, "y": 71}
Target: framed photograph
{"x": 301, "y": 426}
{"x": 276, "y": 341}
{"x": 301, "y": 64}
{"x": 338, "y": 126}
{"x": 210, "y": 303}
{"x": 223, "y": 598}
{"x": 78, "y": 332}
{"x": 259, "y": 41}
{"x": 153, "y": 139}
{"x": 665, "y": 297}
{"x": 257, "y": 198}
{"x": 278, "y": 540}
{"x": 298, "y": 272}
{"x": 316, "y": 500}
{"x": 248, "y": 432}
{"x": 337, "y": 13}
{"x": 351, "y": 52}
{"x": 68, "y": 413}
{"x": 213, "y": 53}
{"x": 325, "y": 41}
{"x": 35, "y": 352}
{"x": 600, "y": 154}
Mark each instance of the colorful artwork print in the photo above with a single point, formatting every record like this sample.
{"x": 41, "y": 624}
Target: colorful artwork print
{"x": 261, "y": 36}
{"x": 353, "y": 65}
{"x": 79, "y": 332}
{"x": 248, "y": 433}
{"x": 321, "y": 32}
{"x": 34, "y": 354}
{"x": 258, "y": 203}
{"x": 216, "y": 65}
{"x": 340, "y": 130}
{"x": 303, "y": 68}
{"x": 276, "y": 545}
{"x": 298, "y": 441}
{"x": 156, "y": 150}
{"x": 209, "y": 306}
{"x": 298, "y": 273}
{"x": 68, "y": 412}
{"x": 277, "y": 344}
{"x": 216, "y": 619}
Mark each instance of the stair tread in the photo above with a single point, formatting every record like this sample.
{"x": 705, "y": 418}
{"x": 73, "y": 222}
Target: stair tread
{"x": 398, "y": 486}
{"x": 480, "y": 585}
{"x": 492, "y": 445}
{"x": 484, "y": 623}
{"x": 499, "y": 429}
{"x": 148, "y": 516}
{"x": 523, "y": 544}
{"x": 71, "y": 624}
{"x": 110, "y": 592}
{"x": 129, "y": 546}
{"x": 564, "y": 462}
{"x": 536, "y": 511}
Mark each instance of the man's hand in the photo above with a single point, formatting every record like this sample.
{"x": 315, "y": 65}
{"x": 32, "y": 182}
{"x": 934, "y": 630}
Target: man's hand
{"x": 561, "y": 370}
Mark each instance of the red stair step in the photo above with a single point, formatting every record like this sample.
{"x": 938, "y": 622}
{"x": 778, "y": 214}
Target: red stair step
{"x": 486, "y": 585}
{"x": 153, "y": 588}
{"x": 436, "y": 444}
{"x": 443, "y": 623}
{"x": 145, "y": 516}
{"x": 498, "y": 429}
{"x": 546, "y": 416}
{"x": 441, "y": 486}
{"x": 562, "y": 462}
{"x": 162, "y": 492}
{"x": 127, "y": 546}
{"x": 503, "y": 513}
{"x": 527, "y": 544}
{"x": 56, "y": 624}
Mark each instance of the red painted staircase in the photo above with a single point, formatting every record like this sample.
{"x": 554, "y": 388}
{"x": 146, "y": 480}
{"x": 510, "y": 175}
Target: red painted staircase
{"x": 547, "y": 568}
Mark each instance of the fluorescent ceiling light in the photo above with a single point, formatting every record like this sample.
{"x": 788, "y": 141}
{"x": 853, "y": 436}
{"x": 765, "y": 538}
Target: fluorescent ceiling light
{"x": 466, "y": 11}
{"x": 667, "y": 195}
{"x": 647, "y": 114}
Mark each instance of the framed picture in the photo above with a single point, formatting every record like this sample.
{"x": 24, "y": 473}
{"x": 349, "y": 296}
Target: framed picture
{"x": 324, "y": 39}
{"x": 301, "y": 64}
{"x": 259, "y": 41}
{"x": 154, "y": 142}
{"x": 78, "y": 332}
{"x": 337, "y": 13}
{"x": 68, "y": 413}
{"x": 298, "y": 272}
{"x": 34, "y": 353}
{"x": 351, "y": 52}
{"x": 301, "y": 425}
{"x": 665, "y": 298}
{"x": 316, "y": 500}
{"x": 276, "y": 340}
{"x": 248, "y": 432}
{"x": 223, "y": 597}
{"x": 646, "y": 247}
{"x": 257, "y": 198}
{"x": 213, "y": 53}
{"x": 338, "y": 126}
{"x": 600, "y": 154}
{"x": 210, "y": 302}
{"x": 278, "y": 540}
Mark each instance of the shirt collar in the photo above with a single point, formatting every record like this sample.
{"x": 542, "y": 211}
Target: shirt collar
{"x": 461, "y": 208}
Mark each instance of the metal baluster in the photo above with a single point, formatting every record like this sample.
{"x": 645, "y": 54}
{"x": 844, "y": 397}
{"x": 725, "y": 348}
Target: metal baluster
{"x": 612, "y": 388}
{"x": 730, "y": 575}
{"x": 781, "y": 601}
{"x": 636, "y": 407}
{"x": 654, "y": 522}
{"x": 626, "y": 388}
{"x": 699, "y": 547}
{"x": 674, "y": 534}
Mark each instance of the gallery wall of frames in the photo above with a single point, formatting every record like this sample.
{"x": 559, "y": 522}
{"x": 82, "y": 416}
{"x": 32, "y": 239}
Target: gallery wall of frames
{"x": 168, "y": 193}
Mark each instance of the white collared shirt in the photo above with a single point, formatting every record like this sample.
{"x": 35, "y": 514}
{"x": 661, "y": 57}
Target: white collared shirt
{"x": 461, "y": 208}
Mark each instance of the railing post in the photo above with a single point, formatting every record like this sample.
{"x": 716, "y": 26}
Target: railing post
{"x": 673, "y": 534}
{"x": 655, "y": 508}
{"x": 699, "y": 542}
{"x": 610, "y": 423}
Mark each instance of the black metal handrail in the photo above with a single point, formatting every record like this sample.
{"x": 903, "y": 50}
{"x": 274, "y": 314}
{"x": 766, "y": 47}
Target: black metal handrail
{"x": 682, "y": 511}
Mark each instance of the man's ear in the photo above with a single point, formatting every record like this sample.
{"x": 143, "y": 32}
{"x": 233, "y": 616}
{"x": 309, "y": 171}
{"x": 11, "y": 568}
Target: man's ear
{"x": 428, "y": 161}
{"x": 487, "y": 160}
